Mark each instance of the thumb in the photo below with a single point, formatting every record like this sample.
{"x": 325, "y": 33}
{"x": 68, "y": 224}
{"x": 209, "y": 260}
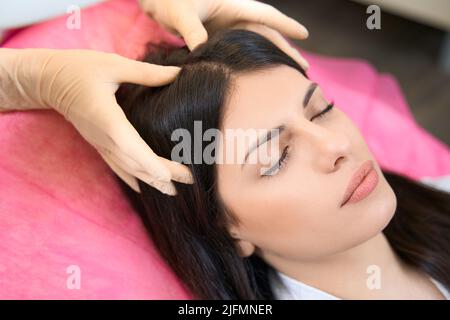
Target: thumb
{"x": 147, "y": 74}
{"x": 191, "y": 28}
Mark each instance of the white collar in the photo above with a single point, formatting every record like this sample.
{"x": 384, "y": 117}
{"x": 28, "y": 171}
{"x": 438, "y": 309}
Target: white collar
{"x": 287, "y": 288}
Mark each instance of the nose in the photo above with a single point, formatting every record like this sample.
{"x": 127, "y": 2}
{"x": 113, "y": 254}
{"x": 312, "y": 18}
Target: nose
{"x": 328, "y": 148}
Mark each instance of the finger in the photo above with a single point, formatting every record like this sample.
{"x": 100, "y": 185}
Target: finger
{"x": 126, "y": 177}
{"x": 129, "y": 146}
{"x": 276, "y": 38}
{"x": 179, "y": 172}
{"x": 189, "y": 25}
{"x": 165, "y": 187}
{"x": 147, "y": 74}
{"x": 265, "y": 14}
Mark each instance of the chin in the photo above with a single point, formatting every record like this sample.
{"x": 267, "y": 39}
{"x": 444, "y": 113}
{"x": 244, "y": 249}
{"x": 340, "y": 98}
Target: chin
{"x": 373, "y": 215}
{"x": 381, "y": 210}
{"x": 389, "y": 206}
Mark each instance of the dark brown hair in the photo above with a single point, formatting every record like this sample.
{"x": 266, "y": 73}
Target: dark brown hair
{"x": 190, "y": 229}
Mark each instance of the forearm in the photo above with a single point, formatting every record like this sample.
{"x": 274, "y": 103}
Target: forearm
{"x": 17, "y": 92}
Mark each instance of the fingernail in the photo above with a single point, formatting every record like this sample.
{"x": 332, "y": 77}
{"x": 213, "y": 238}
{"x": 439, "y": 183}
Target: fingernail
{"x": 187, "y": 179}
{"x": 306, "y": 65}
{"x": 305, "y": 31}
{"x": 175, "y": 70}
{"x": 300, "y": 60}
{"x": 169, "y": 189}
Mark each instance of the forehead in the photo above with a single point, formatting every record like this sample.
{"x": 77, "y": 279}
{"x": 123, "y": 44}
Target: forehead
{"x": 260, "y": 99}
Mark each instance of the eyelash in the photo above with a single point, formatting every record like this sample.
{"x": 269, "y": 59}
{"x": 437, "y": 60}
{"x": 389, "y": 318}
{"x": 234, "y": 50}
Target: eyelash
{"x": 279, "y": 165}
{"x": 324, "y": 111}
{"x": 285, "y": 155}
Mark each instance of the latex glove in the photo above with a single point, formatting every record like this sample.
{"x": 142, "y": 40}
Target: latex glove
{"x": 193, "y": 19}
{"x": 80, "y": 84}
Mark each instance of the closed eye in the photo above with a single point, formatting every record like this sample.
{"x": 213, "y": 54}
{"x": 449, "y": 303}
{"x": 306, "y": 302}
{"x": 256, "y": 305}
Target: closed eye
{"x": 324, "y": 111}
{"x": 279, "y": 165}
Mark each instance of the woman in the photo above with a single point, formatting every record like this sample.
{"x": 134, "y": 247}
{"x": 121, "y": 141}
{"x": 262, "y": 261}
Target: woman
{"x": 245, "y": 230}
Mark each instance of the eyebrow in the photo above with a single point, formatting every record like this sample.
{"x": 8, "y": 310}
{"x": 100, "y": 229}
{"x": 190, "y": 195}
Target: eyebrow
{"x": 279, "y": 129}
{"x": 309, "y": 93}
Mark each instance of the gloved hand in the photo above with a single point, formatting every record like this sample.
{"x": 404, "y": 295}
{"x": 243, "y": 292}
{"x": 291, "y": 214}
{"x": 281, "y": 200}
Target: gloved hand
{"x": 80, "y": 84}
{"x": 193, "y": 19}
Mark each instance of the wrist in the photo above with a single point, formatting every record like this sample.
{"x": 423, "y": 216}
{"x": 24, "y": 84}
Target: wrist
{"x": 19, "y": 77}
{"x": 30, "y": 65}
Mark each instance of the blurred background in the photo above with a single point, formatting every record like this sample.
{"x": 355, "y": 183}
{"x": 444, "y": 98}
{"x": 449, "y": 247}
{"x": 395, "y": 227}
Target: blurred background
{"x": 413, "y": 44}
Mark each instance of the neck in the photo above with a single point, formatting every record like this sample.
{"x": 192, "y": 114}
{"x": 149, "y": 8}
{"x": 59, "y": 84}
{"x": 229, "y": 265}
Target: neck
{"x": 352, "y": 274}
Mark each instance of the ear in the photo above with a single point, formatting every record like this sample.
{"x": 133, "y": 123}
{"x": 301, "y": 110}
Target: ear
{"x": 245, "y": 248}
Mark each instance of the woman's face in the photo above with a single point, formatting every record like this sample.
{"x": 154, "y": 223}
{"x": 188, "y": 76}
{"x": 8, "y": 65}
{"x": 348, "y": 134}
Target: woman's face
{"x": 294, "y": 212}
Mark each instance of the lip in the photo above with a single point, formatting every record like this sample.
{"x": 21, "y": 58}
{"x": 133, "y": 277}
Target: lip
{"x": 362, "y": 183}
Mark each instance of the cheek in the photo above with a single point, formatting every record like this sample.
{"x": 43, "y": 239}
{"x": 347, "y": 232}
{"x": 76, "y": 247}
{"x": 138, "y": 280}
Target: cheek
{"x": 286, "y": 217}
{"x": 347, "y": 127}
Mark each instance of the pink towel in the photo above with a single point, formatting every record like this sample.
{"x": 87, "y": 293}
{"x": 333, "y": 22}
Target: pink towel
{"x": 60, "y": 205}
